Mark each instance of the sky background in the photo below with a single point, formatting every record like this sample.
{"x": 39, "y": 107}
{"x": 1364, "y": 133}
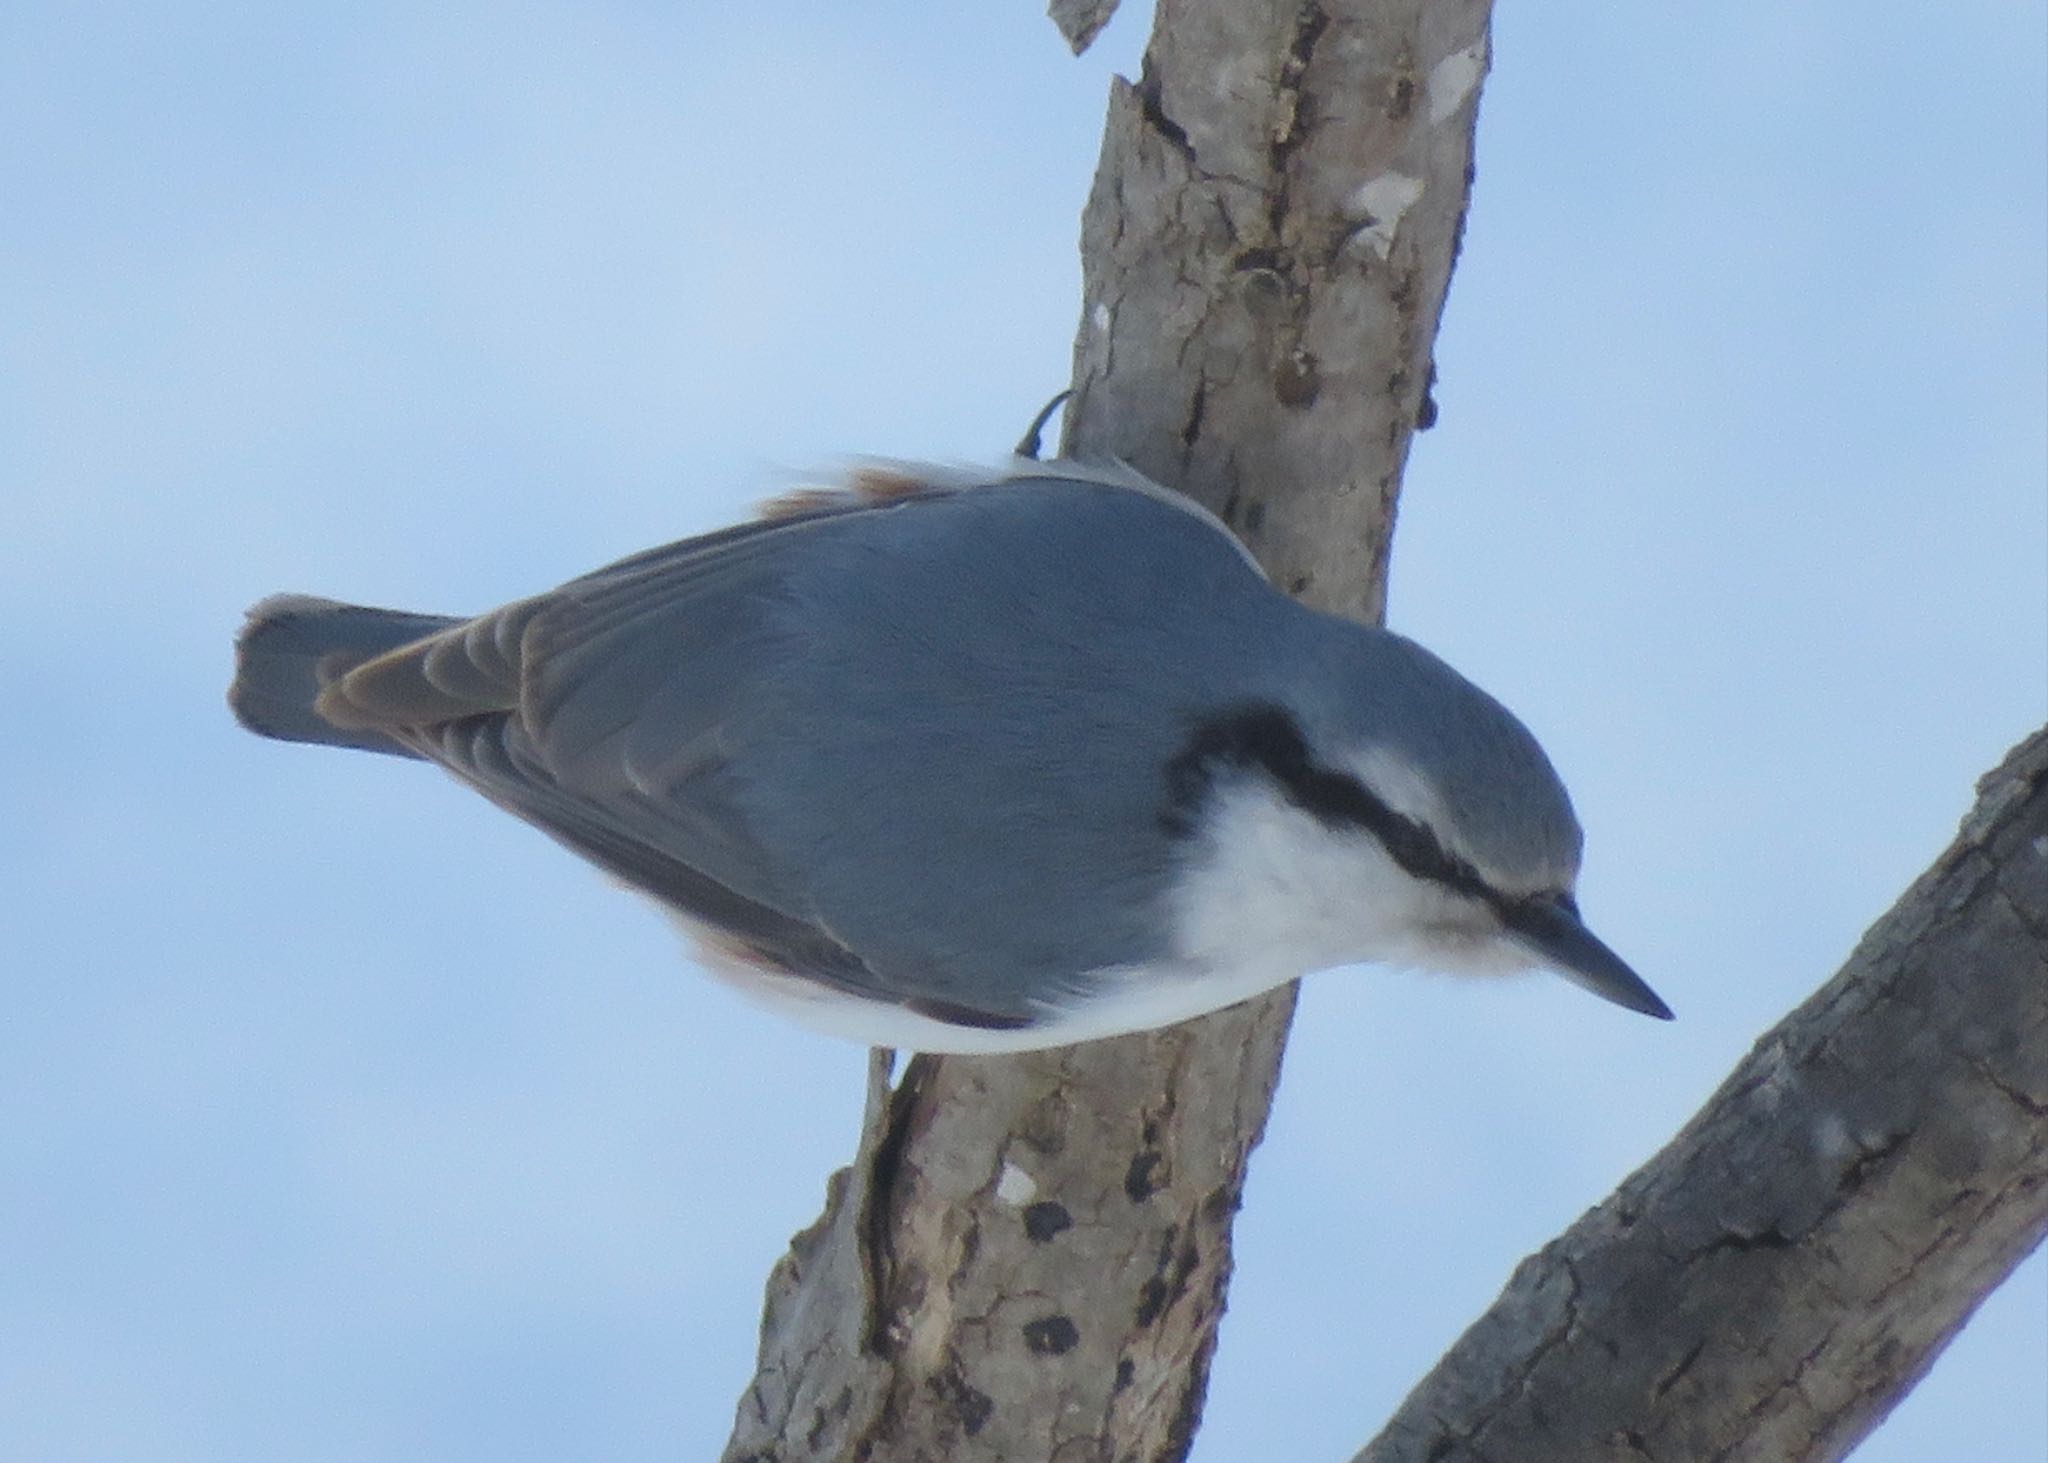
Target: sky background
{"x": 343, "y": 1118}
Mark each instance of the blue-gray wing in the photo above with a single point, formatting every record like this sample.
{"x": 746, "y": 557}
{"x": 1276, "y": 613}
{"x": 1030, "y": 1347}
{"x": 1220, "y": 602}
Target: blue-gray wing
{"x": 596, "y": 713}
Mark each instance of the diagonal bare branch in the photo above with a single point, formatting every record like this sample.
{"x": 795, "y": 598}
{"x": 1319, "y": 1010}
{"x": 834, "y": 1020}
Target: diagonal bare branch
{"x": 1778, "y": 1277}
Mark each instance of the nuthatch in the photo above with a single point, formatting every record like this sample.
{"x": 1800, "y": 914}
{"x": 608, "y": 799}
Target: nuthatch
{"x": 978, "y": 763}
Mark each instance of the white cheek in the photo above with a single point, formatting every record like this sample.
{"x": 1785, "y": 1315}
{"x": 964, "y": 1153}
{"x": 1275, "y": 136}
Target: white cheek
{"x": 1277, "y": 890}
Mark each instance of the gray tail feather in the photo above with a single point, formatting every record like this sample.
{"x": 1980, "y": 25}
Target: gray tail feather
{"x": 294, "y": 644}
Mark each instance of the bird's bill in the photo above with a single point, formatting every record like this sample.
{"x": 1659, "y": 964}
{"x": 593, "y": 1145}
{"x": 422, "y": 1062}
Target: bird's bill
{"x": 1553, "y": 931}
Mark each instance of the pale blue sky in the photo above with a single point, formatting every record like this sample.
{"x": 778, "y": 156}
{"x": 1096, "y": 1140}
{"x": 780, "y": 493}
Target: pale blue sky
{"x": 342, "y": 1118}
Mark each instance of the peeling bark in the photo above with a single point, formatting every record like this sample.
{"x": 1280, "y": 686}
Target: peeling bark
{"x": 1766, "y": 1288}
{"x": 1268, "y": 245}
{"x": 1029, "y": 1255}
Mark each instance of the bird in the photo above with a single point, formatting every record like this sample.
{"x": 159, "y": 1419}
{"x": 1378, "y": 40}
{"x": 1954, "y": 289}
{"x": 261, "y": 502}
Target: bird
{"x": 987, "y": 760}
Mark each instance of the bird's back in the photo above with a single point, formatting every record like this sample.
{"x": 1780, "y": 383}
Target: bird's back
{"x": 961, "y": 716}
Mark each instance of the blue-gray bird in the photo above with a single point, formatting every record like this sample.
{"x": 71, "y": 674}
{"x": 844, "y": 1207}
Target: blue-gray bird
{"x": 949, "y": 762}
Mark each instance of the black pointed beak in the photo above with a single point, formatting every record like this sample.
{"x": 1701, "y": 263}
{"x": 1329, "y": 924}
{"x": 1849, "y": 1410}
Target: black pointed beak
{"x": 1552, "y": 930}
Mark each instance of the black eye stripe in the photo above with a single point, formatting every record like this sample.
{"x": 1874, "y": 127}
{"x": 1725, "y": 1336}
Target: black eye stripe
{"x": 1264, "y": 736}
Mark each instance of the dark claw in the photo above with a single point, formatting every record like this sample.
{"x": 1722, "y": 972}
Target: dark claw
{"x": 1028, "y": 444}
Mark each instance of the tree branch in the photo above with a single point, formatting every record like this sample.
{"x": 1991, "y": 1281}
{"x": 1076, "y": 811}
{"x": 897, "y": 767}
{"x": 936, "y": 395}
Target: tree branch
{"x": 1028, "y": 1257}
{"x": 1769, "y": 1285}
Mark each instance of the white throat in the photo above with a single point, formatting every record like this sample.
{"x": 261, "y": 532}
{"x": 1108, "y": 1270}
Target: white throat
{"x": 1274, "y": 889}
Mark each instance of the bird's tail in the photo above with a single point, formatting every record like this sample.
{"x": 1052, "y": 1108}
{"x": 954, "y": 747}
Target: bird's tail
{"x": 294, "y": 644}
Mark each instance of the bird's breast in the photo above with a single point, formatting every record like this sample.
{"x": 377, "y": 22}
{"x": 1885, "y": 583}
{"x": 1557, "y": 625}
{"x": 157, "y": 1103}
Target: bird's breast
{"x": 1268, "y": 889}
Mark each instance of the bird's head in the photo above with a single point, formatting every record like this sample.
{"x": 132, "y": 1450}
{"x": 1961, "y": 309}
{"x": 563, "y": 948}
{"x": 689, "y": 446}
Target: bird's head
{"x": 1384, "y": 809}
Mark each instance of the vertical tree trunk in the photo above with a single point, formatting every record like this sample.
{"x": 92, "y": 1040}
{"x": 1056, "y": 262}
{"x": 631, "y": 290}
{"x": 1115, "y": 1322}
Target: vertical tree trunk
{"x": 1027, "y": 1258}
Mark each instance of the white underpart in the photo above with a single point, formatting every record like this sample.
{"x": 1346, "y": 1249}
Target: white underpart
{"x": 1273, "y": 895}
{"x": 1451, "y": 80}
{"x": 1379, "y": 206}
{"x": 1276, "y": 895}
{"x": 1280, "y": 894}
{"x": 1135, "y": 999}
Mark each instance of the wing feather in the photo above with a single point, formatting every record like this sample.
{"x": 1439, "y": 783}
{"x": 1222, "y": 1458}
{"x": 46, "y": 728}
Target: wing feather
{"x": 612, "y": 713}
{"x": 491, "y": 754}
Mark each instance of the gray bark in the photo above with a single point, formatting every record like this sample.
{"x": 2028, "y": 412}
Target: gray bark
{"x": 1768, "y": 1286}
{"x": 1027, "y": 1258}
{"x": 1081, "y": 21}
